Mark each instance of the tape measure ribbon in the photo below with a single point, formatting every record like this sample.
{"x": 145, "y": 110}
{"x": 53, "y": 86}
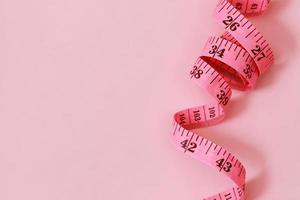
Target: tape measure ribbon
{"x": 234, "y": 60}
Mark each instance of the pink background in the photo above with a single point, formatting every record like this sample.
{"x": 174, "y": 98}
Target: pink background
{"x": 88, "y": 89}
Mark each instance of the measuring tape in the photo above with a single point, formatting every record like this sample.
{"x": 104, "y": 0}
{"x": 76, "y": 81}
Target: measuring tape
{"x": 234, "y": 60}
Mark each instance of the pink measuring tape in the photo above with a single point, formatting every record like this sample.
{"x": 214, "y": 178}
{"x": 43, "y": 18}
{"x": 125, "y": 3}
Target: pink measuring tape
{"x": 234, "y": 60}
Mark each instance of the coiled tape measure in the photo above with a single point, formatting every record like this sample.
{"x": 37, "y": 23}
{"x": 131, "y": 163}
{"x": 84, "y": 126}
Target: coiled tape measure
{"x": 234, "y": 60}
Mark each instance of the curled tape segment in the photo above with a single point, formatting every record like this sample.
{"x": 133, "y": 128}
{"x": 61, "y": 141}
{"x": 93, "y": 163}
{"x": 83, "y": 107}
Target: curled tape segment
{"x": 234, "y": 60}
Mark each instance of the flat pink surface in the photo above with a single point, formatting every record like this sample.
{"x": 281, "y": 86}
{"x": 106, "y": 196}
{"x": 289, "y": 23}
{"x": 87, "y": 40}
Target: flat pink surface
{"x": 88, "y": 90}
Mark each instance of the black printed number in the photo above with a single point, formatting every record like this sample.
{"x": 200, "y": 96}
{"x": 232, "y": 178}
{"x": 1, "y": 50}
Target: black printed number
{"x": 182, "y": 119}
{"x": 248, "y": 71}
{"x": 226, "y": 166}
{"x": 189, "y": 146}
{"x": 212, "y": 112}
{"x": 256, "y": 51}
{"x": 197, "y": 116}
{"x": 215, "y": 50}
{"x": 222, "y": 97}
{"x": 196, "y": 72}
{"x": 262, "y": 55}
{"x": 229, "y": 23}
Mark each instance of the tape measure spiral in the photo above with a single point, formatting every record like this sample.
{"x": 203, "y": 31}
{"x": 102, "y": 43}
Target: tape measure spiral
{"x": 234, "y": 60}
